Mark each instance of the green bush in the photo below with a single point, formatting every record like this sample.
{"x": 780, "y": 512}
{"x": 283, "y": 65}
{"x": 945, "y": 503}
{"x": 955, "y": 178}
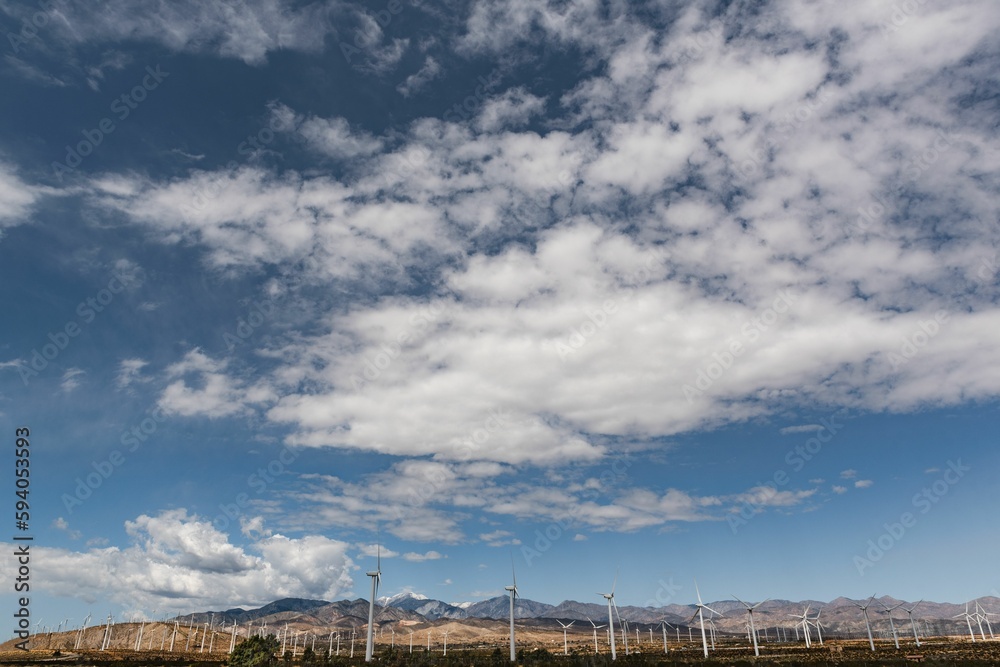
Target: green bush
{"x": 255, "y": 652}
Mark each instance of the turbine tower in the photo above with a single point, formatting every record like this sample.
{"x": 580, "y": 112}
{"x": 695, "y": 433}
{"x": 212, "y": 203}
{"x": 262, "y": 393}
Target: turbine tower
{"x": 596, "y": 628}
{"x": 892, "y": 623}
{"x": 376, "y": 580}
{"x": 610, "y": 597}
{"x": 968, "y": 619}
{"x": 805, "y": 625}
{"x": 512, "y": 589}
{"x": 909, "y": 612}
{"x": 753, "y": 630}
{"x": 819, "y": 628}
{"x": 868, "y": 625}
{"x": 565, "y": 628}
{"x": 701, "y": 618}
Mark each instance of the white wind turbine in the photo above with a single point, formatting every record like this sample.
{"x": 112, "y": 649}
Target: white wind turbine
{"x": 805, "y": 625}
{"x": 979, "y": 620}
{"x": 968, "y": 619}
{"x": 819, "y": 628}
{"x": 596, "y": 628}
{"x": 565, "y": 642}
{"x": 753, "y": 629}
{"x": 892, "y": 623}
{"x": 664, "y": 625}
{"x": 512, "y": 589}
{"x": 913, "y": 625}
{"x": 610, "y": 597}
{"x": 986, "y": 617}
{"x": 376, "y": 580}
{"x": 868, "y": 625}
{"x": 701, "y": 617}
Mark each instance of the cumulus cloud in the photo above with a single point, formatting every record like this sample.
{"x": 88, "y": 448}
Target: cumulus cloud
{"x": 179, "y": 561}
{"x": 751, "y": 214}
{"x": 246, "y": 32}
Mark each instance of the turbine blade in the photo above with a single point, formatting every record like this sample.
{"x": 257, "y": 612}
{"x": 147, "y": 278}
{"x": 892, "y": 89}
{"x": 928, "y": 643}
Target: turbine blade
{"x": 614, "y": 583}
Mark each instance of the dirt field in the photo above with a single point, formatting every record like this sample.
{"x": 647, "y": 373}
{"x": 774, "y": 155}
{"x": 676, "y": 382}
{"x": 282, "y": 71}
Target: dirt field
{"x": 485, "y": 643}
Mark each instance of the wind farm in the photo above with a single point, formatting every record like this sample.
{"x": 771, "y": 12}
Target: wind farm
{"x": 315, "y": 631}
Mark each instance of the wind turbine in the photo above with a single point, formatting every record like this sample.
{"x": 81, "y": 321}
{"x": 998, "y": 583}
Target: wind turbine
{"x": 664, "y": 625}
{"x": 753, "y": 630}
{"x": 816, "y": 624}
{"x": 565, "y": 628}
{"x": 805, "y": 625}
{"x": 512, "y": 589}
{"x": 968, "y": 619}
{"x": 596, "y": 628}
{"x": 892, "y": 623}
{"x": 445, "y": 633}
{"x": 376, "y": 580}
{"x": 610, "y": 597}
{"x": 701, "y": 617}
{"x": 986, "y": 617}
{"x": 909, "y": 612}
{"x": 868, "y": 625}
{"x": 979, "y": 620}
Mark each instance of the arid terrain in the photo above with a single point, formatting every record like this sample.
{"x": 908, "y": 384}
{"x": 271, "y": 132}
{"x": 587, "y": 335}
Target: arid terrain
{"x": 474, "y": 642}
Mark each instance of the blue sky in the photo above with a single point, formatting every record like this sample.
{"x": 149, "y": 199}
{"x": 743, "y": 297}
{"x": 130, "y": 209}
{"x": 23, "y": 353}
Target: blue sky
{"x": 695, "y": 289}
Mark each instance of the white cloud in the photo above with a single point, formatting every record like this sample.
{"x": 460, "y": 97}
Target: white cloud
{"x": 742, "y": 162}
{"x": 415, "y": 557}
{"x": 17, "y": 198}
{"x": 179, "y": 562}
{"x": 839, "y": 490}
{"x": 71, "y": 379}
{"x": 218, "y": 395}
{"x": 429, "y": 71}
{"x": 850, "y": 473}
{"x": 247, "y": 31}
{"x": 863, "y": 483}
{"x": 509, "y": 110}
{"x": 60, "y": 523}
{"x": 130, "y": 371}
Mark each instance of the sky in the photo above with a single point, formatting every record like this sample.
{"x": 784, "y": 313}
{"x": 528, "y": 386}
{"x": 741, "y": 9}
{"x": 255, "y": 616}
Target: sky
{"x": 670, "y": 289}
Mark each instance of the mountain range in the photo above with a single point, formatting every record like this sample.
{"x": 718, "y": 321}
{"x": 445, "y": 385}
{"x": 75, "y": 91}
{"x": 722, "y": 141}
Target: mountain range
{"x": 836, "y": 616}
